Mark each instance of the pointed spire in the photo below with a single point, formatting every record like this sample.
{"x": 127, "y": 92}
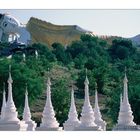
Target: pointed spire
{"x": 86, "y": 90}
{"x": 10, "y": 78}
{"x": 97, "y": 113}
{"x": 49, "y": 121}
{"x": 49, "y": 90}
{"x": 10, "y": 96}
{"x": 125, "y": 89}
{"x": 86, "y": 80}
{"x": 73, "y": 112}
{"x": 3, "y": 103}
{"x": 26, "y": 113}
{"x": 72, "y": 121}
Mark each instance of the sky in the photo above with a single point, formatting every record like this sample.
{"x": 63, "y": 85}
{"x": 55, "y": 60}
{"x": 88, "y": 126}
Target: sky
{"x": 125, "y": 23}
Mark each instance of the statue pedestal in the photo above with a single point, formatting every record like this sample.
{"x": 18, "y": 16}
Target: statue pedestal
{"x": 126, "y": 128}
{"x": 31, "y": 125}
{"x": 12, "y": 125}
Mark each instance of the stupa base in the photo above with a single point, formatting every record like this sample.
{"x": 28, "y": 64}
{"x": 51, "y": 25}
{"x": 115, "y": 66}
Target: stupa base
{"x": 87, "y": 128}
{"x": 70, "y": 126}
{"x": 101, "y": 124}
{"x": 31, "y": 125}
{"x": 43, "y": 128}
{"x": 12, "y": 126}
{"x": 126, "y": 128}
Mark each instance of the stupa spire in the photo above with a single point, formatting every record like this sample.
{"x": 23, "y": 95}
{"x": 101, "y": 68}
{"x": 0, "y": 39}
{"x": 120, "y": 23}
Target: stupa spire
{"x": 49, "y": 121}
{"x": 125, "y": 115}
{"x": 96, "y": 98}
{"x": 72, "y": 121}
{"x": 125, "y": 89}
{"x": 97, "y": 113}
{"x": 10, "y": 95}
{"x": 87, "y": 116}
{"x": 73, "y": 113}
{"x": 27, "y": 114}
{"x": 3, "y": 103}
{"x": 86, "y": 90}
{"x": 125, "y": 119}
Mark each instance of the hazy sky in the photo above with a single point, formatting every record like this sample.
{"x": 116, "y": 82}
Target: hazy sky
{"x": 124, "y": 23}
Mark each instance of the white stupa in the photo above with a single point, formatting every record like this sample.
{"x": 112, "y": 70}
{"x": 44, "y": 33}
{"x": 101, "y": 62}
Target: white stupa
{"x": 72, "y": 121}
{"x": 36, "y": 54}
{"x": 27, "y": 114}
{"x": 10, "y": 122}
{"x": 97, "y": 113}
{"x": 87, "y": 116}
{"x": 3, "y": 104}
{"x": 49, "y": 122}
{"x": 24, "y": 57}
{"x": 125, "y": 119}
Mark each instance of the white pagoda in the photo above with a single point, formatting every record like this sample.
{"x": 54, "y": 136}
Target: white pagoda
{"x": 10, "y": 121}
{"x": 3, "y": 104}
{"x": 72, "y": 121}
{"x": 125, "y": 118}
{"x": 97, "y": 113}
{"x": 27, "y": 114}
{"x": 49, "y": 122}
{"x": 87, "y": 116}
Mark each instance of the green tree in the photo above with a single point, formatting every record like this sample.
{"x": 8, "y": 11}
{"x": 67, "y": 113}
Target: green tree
{"x": 122, "y": 49}
{"x": 60, "y": 53}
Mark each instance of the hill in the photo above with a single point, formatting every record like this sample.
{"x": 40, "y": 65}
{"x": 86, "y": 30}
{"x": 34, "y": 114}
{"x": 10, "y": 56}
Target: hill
{"x": 136, "y": 39}
{"x": 48, "y": 33}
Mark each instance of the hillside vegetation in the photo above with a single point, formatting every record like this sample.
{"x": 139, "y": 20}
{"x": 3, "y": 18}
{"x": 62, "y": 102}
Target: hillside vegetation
{"x": 105, "y": 63}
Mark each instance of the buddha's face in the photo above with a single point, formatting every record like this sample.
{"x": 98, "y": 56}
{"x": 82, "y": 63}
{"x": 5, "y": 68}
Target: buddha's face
{"x": 8, "y": 23}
